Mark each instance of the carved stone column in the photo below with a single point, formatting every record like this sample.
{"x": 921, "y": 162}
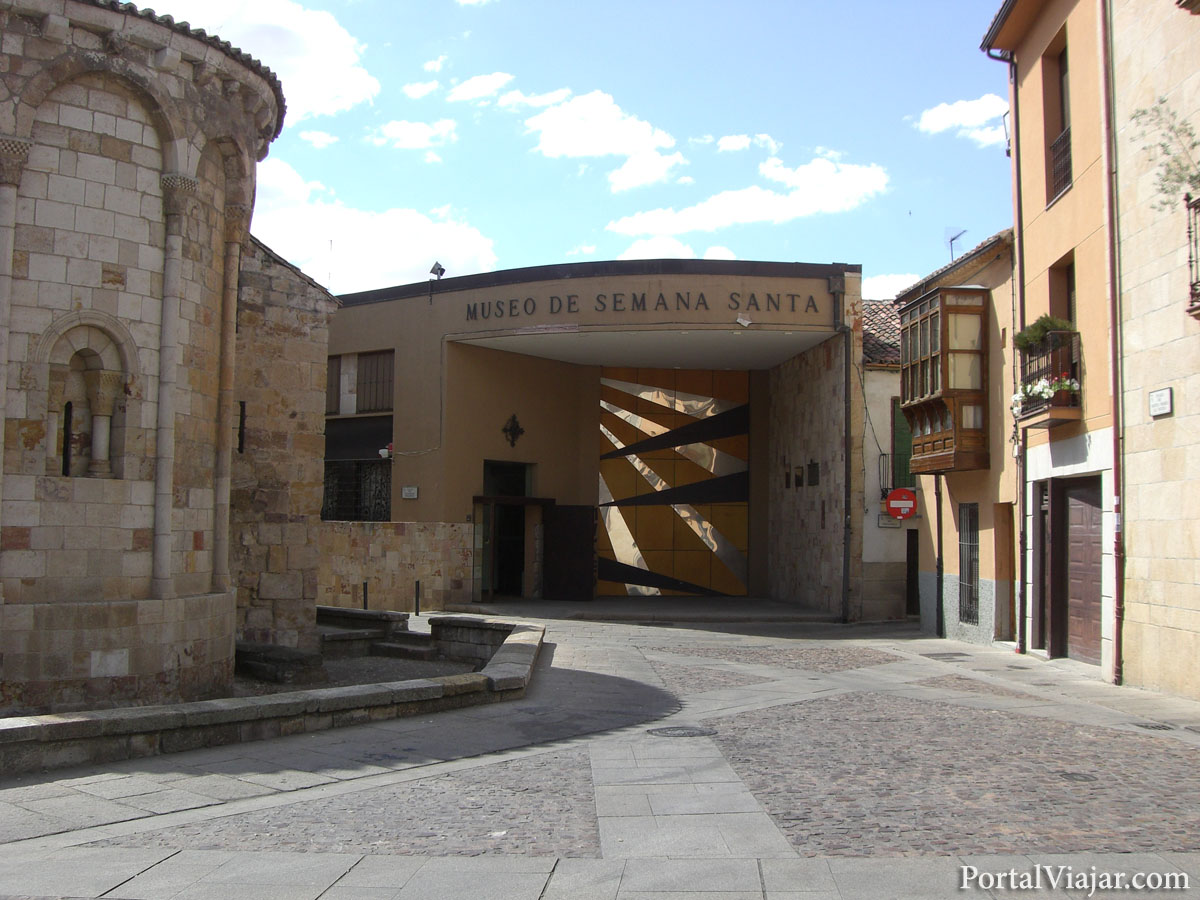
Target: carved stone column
{"x": 237, "y": 221}
{"x": 179, "y": 200}
{"x": 13, "y": 153}
{"x": 103, "y": 388}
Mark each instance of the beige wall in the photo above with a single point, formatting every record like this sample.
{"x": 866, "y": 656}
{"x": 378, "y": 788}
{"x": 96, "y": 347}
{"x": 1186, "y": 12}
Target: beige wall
{"x": 557, "y": 405}
{"x": 1075, "y": 221}
{"x": 1155, "y": 53}
{"x": 986, "y": 487}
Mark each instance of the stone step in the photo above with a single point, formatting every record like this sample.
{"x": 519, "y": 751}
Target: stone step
{"x": 342, "y": 642}
{"x": 409, "y": 646}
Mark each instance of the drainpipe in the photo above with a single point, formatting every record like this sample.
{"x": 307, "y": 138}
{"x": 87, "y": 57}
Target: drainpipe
{"x": 941, "y": 613}
{"x": 837, "y": 286}
{"x": 1022, "y": 587}
{"x": 1116, "y": 335}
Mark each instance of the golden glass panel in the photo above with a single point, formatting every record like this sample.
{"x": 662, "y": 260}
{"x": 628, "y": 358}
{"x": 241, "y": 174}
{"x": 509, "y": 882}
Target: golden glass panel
{"x": 730, "y": 519}
{"x": 653, "y": 526}
{"x": 694, "y": 405}
{"x": 694, "y": 566}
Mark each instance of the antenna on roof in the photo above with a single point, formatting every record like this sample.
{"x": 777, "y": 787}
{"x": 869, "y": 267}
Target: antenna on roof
{"x": 951, "y": 238}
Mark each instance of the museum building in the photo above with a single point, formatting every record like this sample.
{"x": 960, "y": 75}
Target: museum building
{"x": 640, "y": 428}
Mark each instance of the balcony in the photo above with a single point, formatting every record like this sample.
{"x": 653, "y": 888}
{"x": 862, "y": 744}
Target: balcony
{"x": 1053, "y": 363}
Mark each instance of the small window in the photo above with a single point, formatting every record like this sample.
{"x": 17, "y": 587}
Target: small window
{"x": 968, "y": 563}
{"x": 375, "y": 381}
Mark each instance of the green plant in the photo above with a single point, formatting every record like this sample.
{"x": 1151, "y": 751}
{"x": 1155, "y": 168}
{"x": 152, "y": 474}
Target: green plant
{"x": 1033, "y": 336}
{"x": 1175, "y": 146}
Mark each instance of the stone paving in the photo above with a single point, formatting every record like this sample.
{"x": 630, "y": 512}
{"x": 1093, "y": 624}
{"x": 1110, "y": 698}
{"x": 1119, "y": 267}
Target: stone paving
{"x": 843, "y": 763}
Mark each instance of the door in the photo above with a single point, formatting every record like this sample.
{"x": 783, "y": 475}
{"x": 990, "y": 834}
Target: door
{"x": 912, "y": 573}
{"x": 1084, "y": 552}
{"x": 570, "y": 564}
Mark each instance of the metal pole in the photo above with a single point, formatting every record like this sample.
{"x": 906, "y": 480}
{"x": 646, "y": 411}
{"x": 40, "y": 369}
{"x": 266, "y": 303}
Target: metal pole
{"x": 417, "y": 599}
{"x": 364, "y": 595}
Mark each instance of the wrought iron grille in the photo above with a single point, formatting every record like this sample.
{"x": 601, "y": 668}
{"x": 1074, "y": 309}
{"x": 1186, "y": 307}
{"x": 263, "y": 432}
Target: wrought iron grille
{"x": 968, "y": 563}
{"x": 358, "y": 491}
{"x": 1057, "y": 358}
{"x": 1193, "y": 233}
{"x": 1060, "y": 163}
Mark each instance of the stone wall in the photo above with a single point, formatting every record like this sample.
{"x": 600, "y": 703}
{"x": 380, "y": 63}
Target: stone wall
{"x": 278, "y": 462}
{"x": 1154, "y": 56}
{"x": 127, "y": 153}
{"x": 391, "y": 557}
{"x": 805, "y": 530}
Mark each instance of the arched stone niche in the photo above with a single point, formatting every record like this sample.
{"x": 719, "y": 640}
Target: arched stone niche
{"x": 93, "y": 407}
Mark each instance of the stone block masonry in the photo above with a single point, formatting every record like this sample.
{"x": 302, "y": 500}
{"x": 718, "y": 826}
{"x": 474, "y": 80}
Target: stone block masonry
{"x": 128, "y": 145}
{"x": 278, "y": 460}
{"x": 391, "y": 557}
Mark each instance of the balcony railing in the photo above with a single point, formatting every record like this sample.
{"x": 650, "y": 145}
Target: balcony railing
{"x": 1055, "y": 361}
{"x": 1193, "y": 234}
{"x": 1060, "y": 163}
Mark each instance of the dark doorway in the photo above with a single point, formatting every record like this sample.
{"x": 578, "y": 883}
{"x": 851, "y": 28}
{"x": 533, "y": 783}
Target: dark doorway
{"x": 912, "y": 573}
{"x": 504, "y": 547}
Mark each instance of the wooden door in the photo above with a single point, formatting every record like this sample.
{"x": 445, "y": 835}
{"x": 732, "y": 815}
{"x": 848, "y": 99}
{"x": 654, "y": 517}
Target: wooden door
{"x": 570, "y": 547}
{"x": 1084, "y": 569}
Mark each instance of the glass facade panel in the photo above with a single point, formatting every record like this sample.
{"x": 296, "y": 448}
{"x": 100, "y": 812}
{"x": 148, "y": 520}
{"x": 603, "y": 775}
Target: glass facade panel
{"x": 964, "y": 332}
{"x": 966, "y": 372}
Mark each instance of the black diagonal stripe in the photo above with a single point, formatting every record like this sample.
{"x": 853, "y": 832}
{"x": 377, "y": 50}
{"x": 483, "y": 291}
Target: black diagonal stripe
{"x": 733, "y": 488}
{"x": 727, "y": 424}
{"x": 611, "y": 570}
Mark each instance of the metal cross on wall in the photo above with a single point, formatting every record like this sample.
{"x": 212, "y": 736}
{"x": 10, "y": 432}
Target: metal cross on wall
{"x": 512, "y": 430}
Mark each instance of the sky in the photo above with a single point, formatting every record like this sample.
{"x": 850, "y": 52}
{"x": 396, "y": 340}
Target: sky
{"x": 498, "y": 134}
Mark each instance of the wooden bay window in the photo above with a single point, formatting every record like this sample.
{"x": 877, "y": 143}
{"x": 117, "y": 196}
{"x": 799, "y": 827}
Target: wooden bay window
{"x": 943, "y": 379}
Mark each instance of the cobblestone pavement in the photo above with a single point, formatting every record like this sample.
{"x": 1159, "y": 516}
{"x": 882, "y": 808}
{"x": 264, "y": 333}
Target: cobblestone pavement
{"x": 826, "y": 762}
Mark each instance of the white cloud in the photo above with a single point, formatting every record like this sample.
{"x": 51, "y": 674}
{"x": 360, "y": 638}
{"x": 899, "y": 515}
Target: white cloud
{"x": 419, "y": 89}
{"x": 415, "y": 135}
{"x": 719, "y": 252}
{"x": 319, "y": 139}
{"x": 582, "y": 250}
{"x": 705, "y": 139}
{"x": 432, "y": 157}
{"x": 771, "y": 145}
{"x": 593, "y": 125}
{"x": 435, "y": 65}
{"x": 479, "y": 87}
{"x": 643, "y": 168}
{"x": 440, "y": 212}
{"x": 517, "y": 98}
{"x": 886, "y": 287}
{"x": 969, "y": 118}
{"x": 732, "y": 142}
{"x": 287, "y": 38}
{"x": 820, "y": 186}
{"x": 298, "y": 219}
{"x": 659, "y": 247}
{"x": 988, "y": 136}
{"x": 685, "y": 179}
{"x": 472, "y": 2}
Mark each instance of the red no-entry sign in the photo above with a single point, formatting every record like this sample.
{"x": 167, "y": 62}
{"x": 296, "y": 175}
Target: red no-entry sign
{"x": 901, "y": 503}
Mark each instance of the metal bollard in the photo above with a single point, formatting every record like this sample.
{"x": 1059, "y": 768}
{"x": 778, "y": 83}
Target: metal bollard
{"x": 364, "y": 595}
{"x": 417, "y": 599}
